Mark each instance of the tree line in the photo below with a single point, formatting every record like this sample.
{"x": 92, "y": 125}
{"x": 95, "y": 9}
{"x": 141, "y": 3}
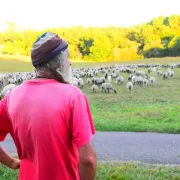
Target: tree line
{"x": 158, "y": 38}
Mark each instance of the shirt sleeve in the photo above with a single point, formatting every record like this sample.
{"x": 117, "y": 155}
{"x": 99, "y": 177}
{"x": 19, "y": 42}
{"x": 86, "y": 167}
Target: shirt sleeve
{"x": 4, "y": 121}
{"x": 82, "y": 125}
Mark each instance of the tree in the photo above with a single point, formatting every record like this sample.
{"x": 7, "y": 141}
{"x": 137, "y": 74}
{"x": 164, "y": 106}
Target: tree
{"x": 165, "y": 42}
{"x": 174, "y": 46}
{"x": 154, "y": 49}
{"x": 85, "y": 45}
{"x": 157, "y": 38}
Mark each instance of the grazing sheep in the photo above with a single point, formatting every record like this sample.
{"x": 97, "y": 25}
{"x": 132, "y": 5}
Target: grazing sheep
{"x": 145, "y": 76}
{"x": 94, "y": 87}
{"x": 7, "y": 89}
{"x": 140, "y": 73}
{"x": 99, "y": 81}
{"x": 109, "y": 79}
{"x": 11, "y": 81}
{"x": 1, "y": 84}
{"x": 107, "y": 86}
{"x": 119, "y": 80}
{"x": 159, "y": 72}
{"x": 80, "y": 82}
{"x": 130, "y": 77}
{"x": 154, "y": 69}
{"x": 152, "y": 80}
{"x": 93, "y": 79}
{"x": 165, "y": 75}
{"x": 139, "y": 80}
{"x": 74, "y": 81}
{"x": 102, "y": 79}
{"x": 149, "y": 70}
{"x": 145, "y": 83}
{"x": 88, "y": 81}
{"x": 90, "y": 74}
{"x": 114, "y": 75}
{"x": 106, "y": 75}
{"x": 171, "y": 73}
{"x": 130, "y": 87}
{"x": 133, "y": 79}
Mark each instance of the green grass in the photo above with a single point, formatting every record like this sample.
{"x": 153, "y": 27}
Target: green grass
{"x": 119, "y": 171}
{"x": 7, "y": 173}
{"x": 15, "y": 66}
{"x": 12, "y": 63}
{"x": 155, "y": 109}
{"x": 131, "y": 171}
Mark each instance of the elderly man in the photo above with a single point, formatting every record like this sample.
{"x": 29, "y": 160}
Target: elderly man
{"x": 49, "y": 120}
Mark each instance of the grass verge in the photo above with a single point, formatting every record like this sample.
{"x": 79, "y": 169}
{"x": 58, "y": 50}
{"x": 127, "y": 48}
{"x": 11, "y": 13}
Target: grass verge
{"x": 119, "y": 171}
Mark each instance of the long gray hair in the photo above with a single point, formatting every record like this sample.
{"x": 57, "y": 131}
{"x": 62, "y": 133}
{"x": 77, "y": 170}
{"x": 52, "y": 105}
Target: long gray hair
{"x": 58, "y": 69}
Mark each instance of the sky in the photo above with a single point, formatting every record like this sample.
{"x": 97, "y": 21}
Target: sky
{"x": 39, "y": 14}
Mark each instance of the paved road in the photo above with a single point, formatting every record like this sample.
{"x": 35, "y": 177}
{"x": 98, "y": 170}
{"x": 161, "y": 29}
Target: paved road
{"x": 144, "y": 147}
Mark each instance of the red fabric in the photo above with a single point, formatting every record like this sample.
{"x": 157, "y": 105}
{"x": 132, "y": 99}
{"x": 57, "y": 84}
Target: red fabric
{"x": 48, "y": 121}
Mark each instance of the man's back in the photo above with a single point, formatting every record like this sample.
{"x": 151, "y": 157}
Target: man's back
{"x": 49, "y": 124}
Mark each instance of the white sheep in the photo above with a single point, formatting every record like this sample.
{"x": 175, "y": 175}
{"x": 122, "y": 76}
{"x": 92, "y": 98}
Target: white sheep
{"x": 165, "y": 75}
{"x": 138, "y": 80}
{"x": 159, "y": 72}
{"x": 119, "y": 80}
{"x": 133, "y": 79}
{"x": 94, "y": 87}
{"x": 113, "y": 75}
{"x": 74, "y": 81}
{"x": 7, "y": 89}
{"x": 170, "y": 73}
{"x": 1, "y": 84}
{"x": 152, "y": 80}
{"x": 109, "y": 79}
{"x": 130, "y": 87}
{"x": 88, "y": 80}
{"x": 107, "y": 86}
{"x": 80, "y": 82}
{"x": 145, "y": 82}
{"x": 98, "y": 81}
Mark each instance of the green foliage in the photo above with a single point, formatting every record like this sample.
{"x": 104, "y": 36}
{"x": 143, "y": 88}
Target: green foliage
{"x": 174, "y": 46}
{"x": 154, "y": 49}
{"x": 158, "y": 38}
{"x": 7, "y": 173}
{"x": 85, "y": 45}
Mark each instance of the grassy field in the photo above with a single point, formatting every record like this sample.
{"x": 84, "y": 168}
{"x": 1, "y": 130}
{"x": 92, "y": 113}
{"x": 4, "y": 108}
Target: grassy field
{"x": 119, "y": 171}
{"x": 9, "y": 63}
{"x": 155, "y": 109}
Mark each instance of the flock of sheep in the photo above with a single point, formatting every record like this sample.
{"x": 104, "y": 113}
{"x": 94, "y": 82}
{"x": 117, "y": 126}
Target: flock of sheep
{"x": 100, "y": 77}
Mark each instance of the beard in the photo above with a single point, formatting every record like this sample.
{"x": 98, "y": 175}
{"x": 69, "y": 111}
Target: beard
{"x": 64, "y": 74}
{"x": 67, "y": 74}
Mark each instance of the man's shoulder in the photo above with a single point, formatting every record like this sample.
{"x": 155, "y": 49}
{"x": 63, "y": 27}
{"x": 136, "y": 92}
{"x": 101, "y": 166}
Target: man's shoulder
{"x": 74, "y": 90}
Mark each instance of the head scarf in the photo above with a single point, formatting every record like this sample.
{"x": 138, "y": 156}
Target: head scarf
{"x": 46, "y": 48}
